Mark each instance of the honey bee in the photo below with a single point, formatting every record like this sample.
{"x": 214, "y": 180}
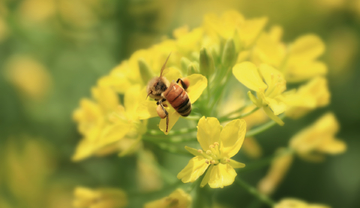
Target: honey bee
{"x": 160, "y": 89}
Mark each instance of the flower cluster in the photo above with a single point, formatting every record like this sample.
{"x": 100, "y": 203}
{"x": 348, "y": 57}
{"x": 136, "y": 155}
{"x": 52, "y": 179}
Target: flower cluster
{"x": 116, "y": 118}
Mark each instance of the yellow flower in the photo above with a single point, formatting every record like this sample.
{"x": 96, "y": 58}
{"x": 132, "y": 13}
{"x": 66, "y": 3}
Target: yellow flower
{"x": 233, "y": 25}
{"x": 26, "y": 167}
{"x": 100, "y": 198}
{"x": 234, "y": 102}
{"x": 29, "y": 77}
{"x": 269, "y": 95}
{"x": 297, "y": 61}
{"x": 318, "y": 139}
{"x": 309, "y": 96}
{"x": 177, "y": 199}
{"x": 148, "y": 175}
{"x": 218, "y": 146}
{"x": 148, "y": 108}
{"x": 278, "y": 169}
{"x": 295, "y": 203}
{"x": 302, "y": 64}
{"x": 105, "y": 122}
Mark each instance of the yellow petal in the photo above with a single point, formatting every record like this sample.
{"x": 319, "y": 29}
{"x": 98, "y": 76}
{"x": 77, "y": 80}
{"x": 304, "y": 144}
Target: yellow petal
{"x": 221, "y": 175}
{"x": 208, "y": 132}
{"x": 334, "y": 146}
{"x": 232, "y": 137}
{"x": 276, "y": 105}
{"x": 132, "y": 100}
{"x": 273, "y": 78}
{"x": 307, "y": 47}
{"x": 206, "y": 178}
{"x": 179, "y": 199}
{"x": 247, "y": 73}
{"x": 273, "y": 116}
{"x": 84, "y": 149}
{"x": 113, "y": 133}
{"x": 193, "y": 170}
{"x": 198, "y": 83}
{"x": 147, "y": 109}
{"x": 173, "y": 117}
{"x": 300, "y": 71}
{"x": 106, "y": 97}
{"x": 236, "y": 164}
{"x": 250, "y": 30}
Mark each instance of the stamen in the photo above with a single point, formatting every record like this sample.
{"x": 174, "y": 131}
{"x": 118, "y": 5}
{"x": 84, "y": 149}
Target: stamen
{"x": 212, "y": 162}
{"x": 208, "y": 152}
{"x": 207, "y": 161}
{"x": 216, "y": 143}
{"x": 200, "y": 151}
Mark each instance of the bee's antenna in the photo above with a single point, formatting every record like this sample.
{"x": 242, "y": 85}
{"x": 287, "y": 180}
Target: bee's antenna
{"x": 163, "y": 67}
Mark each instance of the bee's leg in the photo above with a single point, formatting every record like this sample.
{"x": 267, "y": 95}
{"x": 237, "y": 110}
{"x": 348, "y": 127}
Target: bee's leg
{"x": 184, "y": 82}
{"x": 163, "y": 113}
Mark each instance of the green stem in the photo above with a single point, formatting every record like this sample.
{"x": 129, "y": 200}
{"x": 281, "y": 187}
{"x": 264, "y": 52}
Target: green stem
{"x": 265, "y": 199}
{"x": 153, "y": 132}
{"x": 236, "y": 111}
{"x": 222, "y": 119}
{"x": 175, "y": 139}
{"x": 264, "y": 162}
{"x": 263, "y": 127}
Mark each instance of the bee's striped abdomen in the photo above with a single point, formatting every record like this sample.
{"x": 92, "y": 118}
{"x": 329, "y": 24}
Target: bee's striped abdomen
{"x": 179, "y": 99}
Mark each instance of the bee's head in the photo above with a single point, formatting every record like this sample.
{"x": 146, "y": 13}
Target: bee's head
{"x": 156, "y": 86}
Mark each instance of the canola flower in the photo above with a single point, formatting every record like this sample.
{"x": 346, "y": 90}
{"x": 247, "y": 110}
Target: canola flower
{"x": 100, "y": 198}
{"x": 210, "y": 56}
{"x": 295, "y": 203}
{"x": 177, "y": 199}
{"x": 218, "y": 146}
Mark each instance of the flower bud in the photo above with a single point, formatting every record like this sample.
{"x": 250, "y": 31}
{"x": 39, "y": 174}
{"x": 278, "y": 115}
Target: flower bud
{"x": 207, "y": 66}
{"x": 184, "y": 64}
{"x": 229, "y": 54}
{"x": 192, "y": 69}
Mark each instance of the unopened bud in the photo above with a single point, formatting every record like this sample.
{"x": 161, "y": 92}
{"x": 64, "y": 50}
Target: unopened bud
{"x": 184, "y": 64}
{"x": 192, "y": 69}
{"x": 207, "y": 66}
{"x": 229, "y": 54}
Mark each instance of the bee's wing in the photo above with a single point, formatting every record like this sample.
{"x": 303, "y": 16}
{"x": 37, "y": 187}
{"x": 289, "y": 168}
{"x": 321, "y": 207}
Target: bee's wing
{"x": 163, "y": 67}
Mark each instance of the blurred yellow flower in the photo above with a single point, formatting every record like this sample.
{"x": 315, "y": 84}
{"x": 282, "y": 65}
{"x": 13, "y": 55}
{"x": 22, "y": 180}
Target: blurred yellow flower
{"x": 295, "y": 203}
{"x": 301, "y": 64}
{"x": 309, "y": 96}
{"x": 99, "y": 198}
{"x": 278, "y": 169}
{"x": 318, "y": 139}
{"x": 177, "y": 199}
{"x": 233, "y": 25}
{"x": 27, "y": 168}
{"x": 269, "y": 95}
{"x": 298, "y": 61}
{"x": 148, "y": 175}
{"x": 105, "y": 122}
{"x": 30, "y": 77}
{"x": 218, "y": 146}
{"x": 198, "y": 83}
{"x": 37, "y": 11}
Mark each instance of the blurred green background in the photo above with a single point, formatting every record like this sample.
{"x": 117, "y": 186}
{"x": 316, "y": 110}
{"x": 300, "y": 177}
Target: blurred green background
{"x": 53, "y": 51}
